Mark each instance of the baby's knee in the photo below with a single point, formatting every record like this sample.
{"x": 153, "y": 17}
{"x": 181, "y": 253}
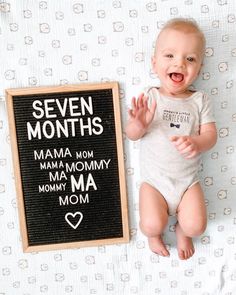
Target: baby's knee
{"x": 152, "y": 228}
{"x": 194, "y": 229}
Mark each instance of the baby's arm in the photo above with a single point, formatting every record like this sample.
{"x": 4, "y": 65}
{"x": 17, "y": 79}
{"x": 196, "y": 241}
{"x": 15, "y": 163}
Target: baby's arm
{"x": 141, "y": 117}
{"x": 190, "y": 146}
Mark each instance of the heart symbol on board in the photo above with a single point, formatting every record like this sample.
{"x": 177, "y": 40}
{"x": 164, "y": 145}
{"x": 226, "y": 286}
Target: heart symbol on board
{"x": 74, "y": 219}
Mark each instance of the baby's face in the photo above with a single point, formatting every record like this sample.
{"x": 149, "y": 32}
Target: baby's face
{"x": 177, "y": 61}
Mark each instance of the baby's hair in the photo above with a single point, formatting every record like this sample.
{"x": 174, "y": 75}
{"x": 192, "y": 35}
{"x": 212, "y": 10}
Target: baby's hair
{"x": 179, "y": 23}
{"x": 185, "y": 25}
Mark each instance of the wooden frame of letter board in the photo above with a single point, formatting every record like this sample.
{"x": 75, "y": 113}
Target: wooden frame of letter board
{"x": 10, "y": 93}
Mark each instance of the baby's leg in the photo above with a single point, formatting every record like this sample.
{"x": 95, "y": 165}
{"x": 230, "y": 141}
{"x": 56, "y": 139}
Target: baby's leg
{"x": 153, "y": 217}
{"x": 192, "y": 220}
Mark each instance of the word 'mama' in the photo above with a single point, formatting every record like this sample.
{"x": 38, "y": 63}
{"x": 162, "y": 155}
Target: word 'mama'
{"x": 66, "y": 117}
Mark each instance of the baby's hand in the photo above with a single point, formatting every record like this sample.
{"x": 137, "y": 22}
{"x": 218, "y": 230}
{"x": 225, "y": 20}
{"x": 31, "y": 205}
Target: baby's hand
{"x": 186, "y": 146}
{"x": 140, "y": 112}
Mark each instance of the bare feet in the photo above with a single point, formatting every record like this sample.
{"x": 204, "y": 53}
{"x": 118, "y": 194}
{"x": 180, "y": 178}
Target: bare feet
{"x": 157, "y": 246}
{"x": 184, "y": 244}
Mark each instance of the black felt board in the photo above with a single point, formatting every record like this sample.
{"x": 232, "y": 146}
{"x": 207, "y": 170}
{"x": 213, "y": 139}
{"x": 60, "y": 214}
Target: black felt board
{"x": 69, "y": 167}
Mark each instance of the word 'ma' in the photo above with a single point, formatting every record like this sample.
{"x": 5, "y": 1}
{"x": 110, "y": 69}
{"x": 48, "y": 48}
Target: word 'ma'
{"x": 83, "y": 184}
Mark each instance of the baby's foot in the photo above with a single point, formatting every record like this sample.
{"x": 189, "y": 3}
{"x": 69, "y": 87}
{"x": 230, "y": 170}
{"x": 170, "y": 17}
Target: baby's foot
{"x": 184, "y": 244}
{"x": 157, "y": 246}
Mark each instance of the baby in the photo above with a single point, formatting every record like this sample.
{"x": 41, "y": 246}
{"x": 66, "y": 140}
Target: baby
{"x": 175, "y": 125}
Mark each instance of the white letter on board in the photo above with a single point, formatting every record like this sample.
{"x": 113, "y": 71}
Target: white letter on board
{"x": 36, "y": 132}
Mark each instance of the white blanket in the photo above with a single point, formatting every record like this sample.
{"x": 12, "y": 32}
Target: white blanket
{"x": 68, "y": 42}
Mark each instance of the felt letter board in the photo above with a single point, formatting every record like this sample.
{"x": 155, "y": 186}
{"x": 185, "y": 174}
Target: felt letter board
{"x": 69, "y": 167}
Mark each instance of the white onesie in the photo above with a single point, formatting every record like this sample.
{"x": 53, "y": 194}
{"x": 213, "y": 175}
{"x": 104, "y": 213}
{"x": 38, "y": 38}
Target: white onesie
{"x": 161, "y": 165}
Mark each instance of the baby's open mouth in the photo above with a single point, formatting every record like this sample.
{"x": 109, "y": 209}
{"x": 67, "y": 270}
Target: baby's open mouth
{"x": 176, "y": 77}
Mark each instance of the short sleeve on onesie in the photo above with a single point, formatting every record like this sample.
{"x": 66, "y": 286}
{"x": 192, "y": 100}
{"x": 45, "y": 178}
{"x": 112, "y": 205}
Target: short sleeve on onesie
{"x": 206, "y": 113}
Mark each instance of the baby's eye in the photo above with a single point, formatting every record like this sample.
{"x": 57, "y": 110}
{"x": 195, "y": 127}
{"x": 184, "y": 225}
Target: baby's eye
{"x": 191, "y": 59}
{"x": 169, "y": 55}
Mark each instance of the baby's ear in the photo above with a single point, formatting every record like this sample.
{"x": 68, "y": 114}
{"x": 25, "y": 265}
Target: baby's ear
{"x": 200, "y": 69}
{"x": 154, "y": 63}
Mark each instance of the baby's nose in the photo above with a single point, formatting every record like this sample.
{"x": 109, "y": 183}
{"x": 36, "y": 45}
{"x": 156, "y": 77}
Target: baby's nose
{"x": 179, "y": 62}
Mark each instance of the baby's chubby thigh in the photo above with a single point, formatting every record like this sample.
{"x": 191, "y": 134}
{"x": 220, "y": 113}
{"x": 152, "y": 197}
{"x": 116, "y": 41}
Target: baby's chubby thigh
{"x": 153, "y": 210}
{"x": 191, "y": 212}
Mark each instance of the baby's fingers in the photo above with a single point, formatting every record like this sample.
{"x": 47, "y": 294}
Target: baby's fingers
{"x": 178, "y": 140}
{"x": 181, "y": 143}
{"x": 134, "y": 103}
{"x": 131, "y": 113}
{"x": 191, "y": 155}
{"x": 186, "y": 149}
{"x": 141, "y": 100}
